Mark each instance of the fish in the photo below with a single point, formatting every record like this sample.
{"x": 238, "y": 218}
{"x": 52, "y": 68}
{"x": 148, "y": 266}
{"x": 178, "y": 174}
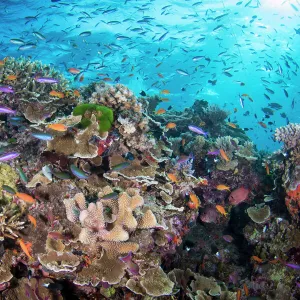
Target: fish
{"x": 112, "y": 195}
{"x": 61, "y": 175}
{"x": 11, "y": 77}
{"x": 58, "y": 127}
{"x": 26, "y": 198}
{"x": 47, "y": 171}
{"x": 181, "y": 72}
{"x": 57, "y": 94}
{"x": 172, "y": 177}
{"x": 232, "y": 125}
{"x": 8, "y": 189}
{"x": 222, "y": 187}
{"x": 267, "y": 168}
{"x": 246, "y": 290}
{"x": 78, "y": 172}
{"x": 262, "y": 124}
{"x": 6, "y": 89}
{"x": 76, "y": 93}
{"x": 221, "y": 210}
{"x": 293, "y": 266}
{"x": 85, "y": 33}
{"x": 227, "y": 238}
{"x": 46, "y": 80}
{"x": 74, "y": 71}
{"x": 121, "y": 166}
{"x": 286, "y": 93}
{"x": 38, "y": 35}
{"x": 194, "y": 200}
{"x": 239, "y": 291}
{"x": 142, "y": 93}
{"x": 197, "y": 130}
{"x": 17, "y": 41}
{"x": 238, "y": 195}
{"x": 171, "y": 125}
{"x": 55, "y": 235}
{"x": 257, "y": 259}
{"x": 32, "y": 220}
{"x": 24, "y": 247}
{"x": 160, "y": 111}
{"x": 215, "y": 152}
{"x": 9, "y": 156}
{"x": 165, "y": 92}
{"x": 22, "y": 175}
{"x": 224, "y": 155}
{"x": 242, "y": 102}
{"x": 44, "y": 136}
{"x": 6, "y": 110}
{"x": 27, "y": 46}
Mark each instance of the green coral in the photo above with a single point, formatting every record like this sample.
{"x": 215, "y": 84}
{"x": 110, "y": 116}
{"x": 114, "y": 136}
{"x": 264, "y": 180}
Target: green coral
{"x": 105, "y": 116}
{"x": 7, "y": 177}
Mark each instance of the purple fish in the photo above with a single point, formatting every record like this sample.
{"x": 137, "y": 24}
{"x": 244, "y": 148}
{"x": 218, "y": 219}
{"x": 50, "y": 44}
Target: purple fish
{"x": 6, "y": 110}
{"x": 197, "y": 130}
{"x": 46, "y": 80}
{"x": 6, "y": 89}
{"x": 8, "y": 156}
{"x": 216, "y": 152}
{"x": 227, "y": 238}
{"x": 293, "y": 266}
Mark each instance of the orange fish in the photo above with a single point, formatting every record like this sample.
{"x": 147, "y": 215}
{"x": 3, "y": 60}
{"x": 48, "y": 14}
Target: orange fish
{"x": 165, "y": 99}
{"x": 262, "y": 124}
{"x": 231, "y": 125}
{"x": 160, "y": 75}
{"x": 246, "y": 290}
{"x": 194, "y": 200}
{"x": 222, "y": 187}
{"x": 81, "y": 78}
{"x": 26, "y": 198}
{"x": 11, "y": 77}
{"x": 267, "y": 168}
{"x": 158, "y": 65}
{"x": 165, "y": 92}
{"x": 76, "y": 93}
{"x": 25, "y": 247}
{"x": 107, "y": 79}
{"x": 57, "y": 94}
{"x": 74, "y": 71}
{"x": 58, "y": 127}
{"x": 245, "y": 95}
{"x": 203, "y": 181}
{"x": 239, "y": 294}
{"x": 235, "y": 110}
{"x": 160, "y": 111}
{"x": 183, "y": 142}
{"x": 171, "y": 125}
{"x": 224, "y": 155}
{"x": 32, "y": 220}
{"x": 172, "y": 177}
{"x": 257, "y": 259}
{"x": 221, "y": 210}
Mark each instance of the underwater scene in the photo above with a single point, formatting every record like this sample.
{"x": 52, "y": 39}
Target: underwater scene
{"x": 149, "y": 149}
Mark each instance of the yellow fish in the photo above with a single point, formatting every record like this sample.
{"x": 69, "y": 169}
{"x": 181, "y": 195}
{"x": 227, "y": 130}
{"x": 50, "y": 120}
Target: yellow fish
{"x": 222, "y": 187}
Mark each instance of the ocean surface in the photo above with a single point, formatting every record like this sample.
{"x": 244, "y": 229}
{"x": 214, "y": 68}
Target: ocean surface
{"x": 211, "y": 50}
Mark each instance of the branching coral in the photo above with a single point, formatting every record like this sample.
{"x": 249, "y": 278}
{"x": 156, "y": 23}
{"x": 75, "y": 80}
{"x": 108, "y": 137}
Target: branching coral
{"x": 289, "y": 135}
{"x": 246, "y": 151}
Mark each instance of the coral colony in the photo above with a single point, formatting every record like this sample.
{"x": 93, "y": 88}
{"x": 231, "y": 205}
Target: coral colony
{"x": 103, "y": 196}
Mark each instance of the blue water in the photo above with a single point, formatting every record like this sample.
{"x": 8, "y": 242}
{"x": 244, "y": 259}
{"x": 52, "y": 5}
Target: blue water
{"x": 256, "y": 41}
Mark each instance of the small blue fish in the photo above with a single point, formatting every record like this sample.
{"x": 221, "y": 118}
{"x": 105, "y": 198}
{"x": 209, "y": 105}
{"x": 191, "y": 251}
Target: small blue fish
{"x": 62, "y": 175}
{"x": 120, "y": 166}
{"x": 43, "y": 136}
{"x": 197, "y": 130}
{"x": 109, "y": 196}
{"x": 8, "y": 156}
{"x": 78, "y": 173}
{"x": 46, "y": 80}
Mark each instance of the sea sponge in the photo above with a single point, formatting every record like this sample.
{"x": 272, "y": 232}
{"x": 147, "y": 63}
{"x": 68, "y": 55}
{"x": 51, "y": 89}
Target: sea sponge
{"x": 156, "y": 283}
{"x": 259, "y": 214}
{"x": 105, "y": 116}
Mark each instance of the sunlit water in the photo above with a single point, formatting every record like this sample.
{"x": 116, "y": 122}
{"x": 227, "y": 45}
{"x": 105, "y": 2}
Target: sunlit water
{"x": 251, "y": 40}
